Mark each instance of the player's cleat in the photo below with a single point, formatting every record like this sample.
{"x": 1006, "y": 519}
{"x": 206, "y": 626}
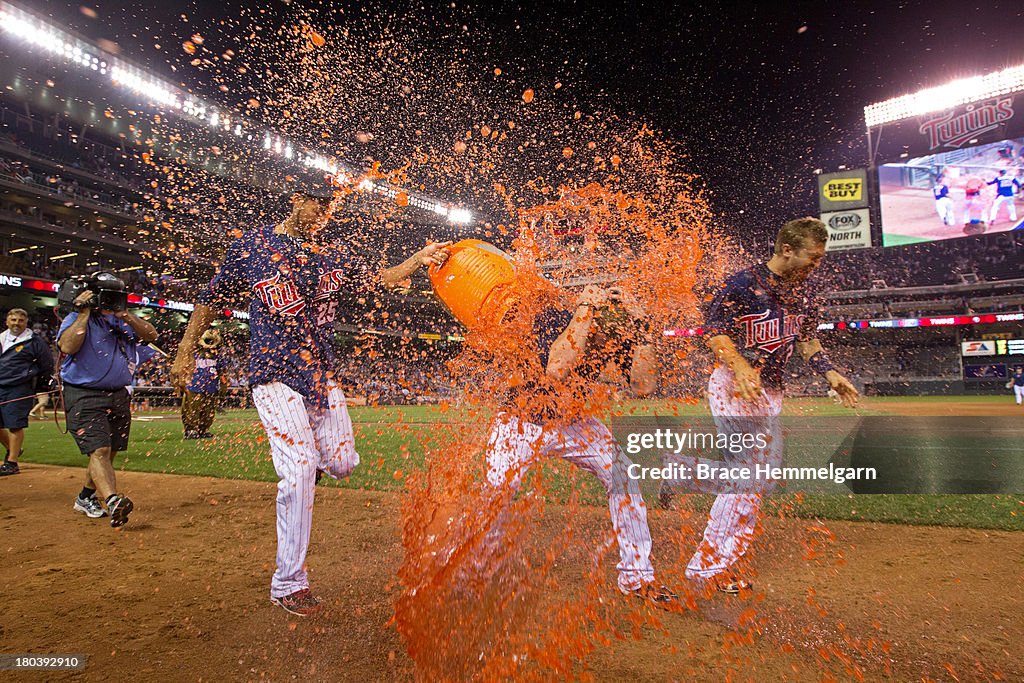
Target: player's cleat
{"x": 90, "y": 506}
{"x": 9, "y": 468}
{"x": 206, "y": 435}
{"x": 193, "y": 435}
{"x": 657, "y": 594}
{"x": 731, "y": 586}
{"x": 119, "y": 508}
{"x": 301, "y": 603}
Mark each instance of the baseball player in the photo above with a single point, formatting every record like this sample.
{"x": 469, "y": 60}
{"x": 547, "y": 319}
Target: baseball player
{"x": 943, "y": 202}
{"x": 1006, "y": 187}
{"x": 581, "y": 340}
{"x": 755, "y": 322}
{"x": 292, "y": 273}
{"x": 1017, "y": 382}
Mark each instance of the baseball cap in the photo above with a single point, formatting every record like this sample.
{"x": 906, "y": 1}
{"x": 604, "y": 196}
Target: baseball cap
{"x": 319, "y": 189}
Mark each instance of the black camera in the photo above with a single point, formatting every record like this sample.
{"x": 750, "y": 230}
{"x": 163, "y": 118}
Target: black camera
{"x": 108, "y": 293}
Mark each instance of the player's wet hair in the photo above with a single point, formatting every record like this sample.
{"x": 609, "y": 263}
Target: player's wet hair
{"x": 798, "y": 231}
{"x": 20, "y": 311}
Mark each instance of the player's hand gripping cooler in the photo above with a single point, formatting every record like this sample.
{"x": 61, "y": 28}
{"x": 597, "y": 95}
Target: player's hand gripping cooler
{"x": 476, "y": 283}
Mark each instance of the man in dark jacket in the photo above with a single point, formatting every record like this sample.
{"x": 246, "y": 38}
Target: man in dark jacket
{"x": 26, "y": 367}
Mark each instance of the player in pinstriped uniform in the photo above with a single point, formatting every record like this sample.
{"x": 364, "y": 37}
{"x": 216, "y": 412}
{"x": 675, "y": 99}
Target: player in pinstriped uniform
{"x": 756, "y": 321}
{"x": 292, "y": 276}
{"x": 1017, "y": 382}
{"x": 581, "y": 341}
{"x": 943, "y": 202}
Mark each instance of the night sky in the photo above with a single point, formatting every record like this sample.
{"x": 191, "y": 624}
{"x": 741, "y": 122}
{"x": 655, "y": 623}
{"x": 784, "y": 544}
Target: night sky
{"x": 758, "y": 94}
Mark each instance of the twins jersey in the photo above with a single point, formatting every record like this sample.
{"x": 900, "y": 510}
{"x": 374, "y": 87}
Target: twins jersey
{"x": 764, "y": 318}
{"x": 1004, "y": 185}
{"x": 293, "y": 285}
{"x": 206, "y": 378}
{"x": 1018, "y": 379}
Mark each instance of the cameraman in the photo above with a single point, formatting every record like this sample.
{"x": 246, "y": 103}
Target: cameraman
{"x": 101, "y": 339}
{"x": 26, "y": 366}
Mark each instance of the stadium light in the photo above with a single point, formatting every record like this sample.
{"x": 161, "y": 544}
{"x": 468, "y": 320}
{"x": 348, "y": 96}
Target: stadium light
{"x": 38, "y": 32}
{"x": 953, "y": 94}
{"x": 68, "y": 255}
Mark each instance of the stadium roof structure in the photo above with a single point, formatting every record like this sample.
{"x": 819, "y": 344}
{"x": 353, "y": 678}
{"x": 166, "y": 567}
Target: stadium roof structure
{"x": 105, "y": 70}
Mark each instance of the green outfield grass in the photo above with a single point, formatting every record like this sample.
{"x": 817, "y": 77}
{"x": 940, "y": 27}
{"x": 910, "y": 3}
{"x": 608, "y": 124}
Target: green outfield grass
{"x": 391, "y": 442}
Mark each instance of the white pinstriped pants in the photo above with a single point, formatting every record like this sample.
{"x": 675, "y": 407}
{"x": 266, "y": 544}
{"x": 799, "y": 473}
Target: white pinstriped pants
{"x": 514, "y": 445}
{"x": 1018, "y": 393}
{"x": 999, "y": 201}
{"x": 303, "y": 438}
{"x": 733, "y": 517}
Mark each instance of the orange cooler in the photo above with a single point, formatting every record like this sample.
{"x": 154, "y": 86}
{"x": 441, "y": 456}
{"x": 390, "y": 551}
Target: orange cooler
{"x": 475, "y": 283}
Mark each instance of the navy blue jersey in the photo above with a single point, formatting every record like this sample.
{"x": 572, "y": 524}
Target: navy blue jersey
{"x": 1004, "y": 185}
{"x": 1018, "y": 378}
{"x": 765, "y": 318}
{"x": 293, "y": 286}
{"x": 940, "y": 191}
{"x": 207, "y": 376}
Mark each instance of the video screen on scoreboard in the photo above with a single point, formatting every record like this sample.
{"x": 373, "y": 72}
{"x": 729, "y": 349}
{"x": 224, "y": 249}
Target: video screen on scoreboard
{"x": 990, "y": 371}
{"x": 967, "y": 191}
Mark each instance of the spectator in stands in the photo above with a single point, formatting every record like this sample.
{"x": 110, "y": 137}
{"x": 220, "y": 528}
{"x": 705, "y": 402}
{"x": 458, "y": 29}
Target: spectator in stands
{"x": 26, "y": 366}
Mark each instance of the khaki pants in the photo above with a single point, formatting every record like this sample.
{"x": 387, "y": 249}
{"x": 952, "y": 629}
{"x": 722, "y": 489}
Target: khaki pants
{"x": 198, "y": 411}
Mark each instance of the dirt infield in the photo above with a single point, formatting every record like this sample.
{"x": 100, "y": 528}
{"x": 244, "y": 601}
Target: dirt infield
{"x": 963, "y": 407}
{"x": 181, "y": 593}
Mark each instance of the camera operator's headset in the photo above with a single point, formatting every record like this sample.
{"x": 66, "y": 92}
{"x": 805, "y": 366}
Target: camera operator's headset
{"x": 108, "y": 293}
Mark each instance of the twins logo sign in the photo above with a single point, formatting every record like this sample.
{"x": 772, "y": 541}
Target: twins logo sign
{"x": 954, "y": 128}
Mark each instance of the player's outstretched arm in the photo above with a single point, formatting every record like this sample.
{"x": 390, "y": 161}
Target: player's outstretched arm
{"x": 433, "y": 253}
{"x": 185, "y": 362}
{"x": 747, "y": 379}
{"x": 567, "y": 350}
{"x": 814, "y": 355}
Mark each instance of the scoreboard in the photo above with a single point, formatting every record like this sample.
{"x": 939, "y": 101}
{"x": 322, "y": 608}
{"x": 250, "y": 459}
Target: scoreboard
{"x": 992, "y": 347}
